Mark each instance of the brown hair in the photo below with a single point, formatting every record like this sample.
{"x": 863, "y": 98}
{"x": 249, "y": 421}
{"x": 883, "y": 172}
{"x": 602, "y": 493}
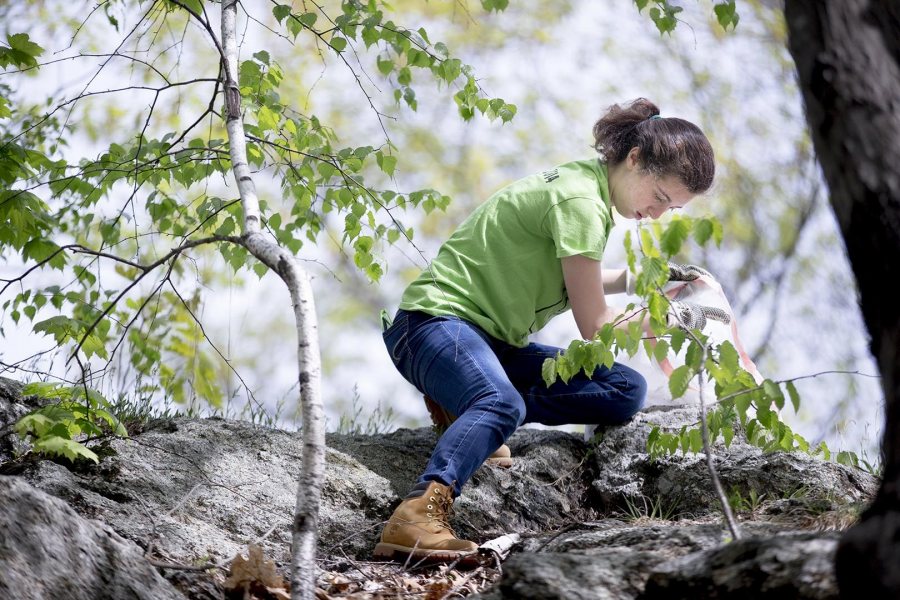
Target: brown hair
{"x": 666, "y": 145}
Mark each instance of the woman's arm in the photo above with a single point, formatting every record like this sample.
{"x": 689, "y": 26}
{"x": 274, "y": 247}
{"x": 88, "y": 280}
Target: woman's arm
{"x": 614, "y": 281}
{"x": 587, "y": 285}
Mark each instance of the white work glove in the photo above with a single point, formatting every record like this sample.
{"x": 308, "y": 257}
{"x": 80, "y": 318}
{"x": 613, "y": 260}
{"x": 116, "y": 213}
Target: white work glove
{"x": 677, "y": 272}
{"x": 688, "y": 315}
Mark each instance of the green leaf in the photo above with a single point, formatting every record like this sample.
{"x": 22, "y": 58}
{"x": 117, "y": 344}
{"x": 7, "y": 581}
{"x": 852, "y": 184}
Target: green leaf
{"x": 338, "y": 43}
{"x": 40, "y": 250}
{"x": 703, "y": 230}
{"x": 326, "y": 170}
{"x": 548, "y": 371}
{"x": 726, "y": 14}
{"x": 374, "y": 272}
{"x": 658, "y": 306}
{"x": 847, "y": 458}
{"x": 728, "y": 435}
{"x": 267, "y": 119}
{"x": 308, "y": 19}
{"x": 661, "y": 351}
{"x": 35, "y": 424}
{"x": 281, "y": 11}
{"x": 694, "y": 357}
{"x": 494, "y": 5}
{"x": 60, "y": 327}
{"x": 386, "y": 162}
{"x": 59, "y": 446}
{"x": 385, "y": 65}
{"x": 654, "y": 273}
{"x": 679, "y": 381}
{"x": 674, "y": 236}
{"x": 294, "y": 26}
{"x": 370, "y": 36}
{"x": 728, "y": 358}
{"x": 21, "y": 51}
{"x": 194, "y": 5}
{"x": 696, "y": 440}
{"x": 774, "y": 393}
{"x": 677, "y": 339}
{"x": 565, "y": 369}
{"x": 795, "y": 397}
{"x": 648, "y": 247}
{"x": 22, "y": 43}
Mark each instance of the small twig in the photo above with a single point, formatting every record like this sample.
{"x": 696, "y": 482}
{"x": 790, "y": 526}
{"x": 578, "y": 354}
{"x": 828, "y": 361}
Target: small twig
{"x": 565, "y": 529}
{"x": 149, "y": 514}
{"x": 204, "y": 567}
{"x": 409, "y": 556}
{"x": 710, "y": 465}
{"x": 462, "y": 582}
{"x": 353, "y": 535}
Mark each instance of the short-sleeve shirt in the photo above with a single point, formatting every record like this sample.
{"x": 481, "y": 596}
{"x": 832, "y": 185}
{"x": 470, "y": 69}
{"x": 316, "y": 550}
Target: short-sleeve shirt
{"x": 501, "y": 268}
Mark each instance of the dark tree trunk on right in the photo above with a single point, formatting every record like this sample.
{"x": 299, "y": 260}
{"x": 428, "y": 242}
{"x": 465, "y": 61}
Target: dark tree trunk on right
{"x": 848, "y": 59}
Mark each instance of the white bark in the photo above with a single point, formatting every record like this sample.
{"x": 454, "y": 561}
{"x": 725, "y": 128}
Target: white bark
{"x": 234, "y": 122}
{"x": 309, "y": 489}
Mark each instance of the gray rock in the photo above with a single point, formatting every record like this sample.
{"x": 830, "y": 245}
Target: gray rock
{"x": 204, "y": 489}
{"x": 681, "y": 484}
{"x": 787, "y": 567}
{"x": 48, "y": 551}
{"x": 201, "y": 490}
{"x": 607, "y": 559}
{"x": 12, "y": 408}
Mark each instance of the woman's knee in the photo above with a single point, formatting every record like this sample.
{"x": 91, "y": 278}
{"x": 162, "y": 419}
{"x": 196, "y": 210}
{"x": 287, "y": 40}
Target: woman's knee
{"x": 509, "y": 410}
{"x": 634, "y": 391}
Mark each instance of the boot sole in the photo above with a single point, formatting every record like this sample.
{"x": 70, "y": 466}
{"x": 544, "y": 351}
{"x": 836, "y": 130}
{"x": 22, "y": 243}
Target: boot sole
{"x": 397, "y": 553}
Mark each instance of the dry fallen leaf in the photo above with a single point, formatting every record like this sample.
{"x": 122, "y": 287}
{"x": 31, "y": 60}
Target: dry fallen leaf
{"x": 257, "y": 576}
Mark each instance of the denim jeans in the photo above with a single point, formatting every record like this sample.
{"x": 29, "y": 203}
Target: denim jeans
{"x": 494, "y": 387}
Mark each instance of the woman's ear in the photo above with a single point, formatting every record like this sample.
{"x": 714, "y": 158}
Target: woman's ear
{"x": 633, "y": 158}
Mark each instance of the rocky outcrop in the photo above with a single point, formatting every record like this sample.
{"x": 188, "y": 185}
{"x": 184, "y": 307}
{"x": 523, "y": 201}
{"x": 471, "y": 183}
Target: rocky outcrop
{"x": 47, "y": 550}
{"x": 796, "y": 567}
{"x": 653, "y": 561}
{"x": 626, "y": 475}
{"x": 597, "y": 521}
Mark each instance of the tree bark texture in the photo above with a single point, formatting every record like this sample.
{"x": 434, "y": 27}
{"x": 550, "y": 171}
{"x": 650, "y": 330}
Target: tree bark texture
{"x": 312, "y": 473}
{"x": 848, "y": 59}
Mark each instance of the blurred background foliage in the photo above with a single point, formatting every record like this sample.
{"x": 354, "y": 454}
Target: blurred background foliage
{"x": 561, "y": 63}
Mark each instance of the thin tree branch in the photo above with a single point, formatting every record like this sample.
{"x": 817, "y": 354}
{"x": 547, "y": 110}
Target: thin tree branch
{"x": 187, "y": 307}
{"x": 145, "y": 269}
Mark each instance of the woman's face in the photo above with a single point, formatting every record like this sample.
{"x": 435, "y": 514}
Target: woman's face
{"x": 637, "y": 194}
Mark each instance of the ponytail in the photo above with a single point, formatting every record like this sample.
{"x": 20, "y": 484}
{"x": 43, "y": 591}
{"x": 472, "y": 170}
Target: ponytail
{"x": 666, "y": 145}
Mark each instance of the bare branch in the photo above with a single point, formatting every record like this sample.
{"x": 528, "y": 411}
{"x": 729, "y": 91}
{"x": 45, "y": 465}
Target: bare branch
{"x": 145, "y": 269}
{"x": 187, "y": 307}
{"x": 91, "y": 55}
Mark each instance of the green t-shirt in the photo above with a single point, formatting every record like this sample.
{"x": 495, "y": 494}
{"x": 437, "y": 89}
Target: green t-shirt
{"x": 501, "y": 269}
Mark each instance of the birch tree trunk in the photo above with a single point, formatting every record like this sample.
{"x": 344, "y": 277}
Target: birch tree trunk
{"x": 309, "y": 488}
{"x": 848, "y": 59}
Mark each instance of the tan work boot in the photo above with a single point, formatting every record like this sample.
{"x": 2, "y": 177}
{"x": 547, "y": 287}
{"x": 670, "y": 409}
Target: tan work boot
{"x": 442, "y": 419}
{"x": 419, "y": 530}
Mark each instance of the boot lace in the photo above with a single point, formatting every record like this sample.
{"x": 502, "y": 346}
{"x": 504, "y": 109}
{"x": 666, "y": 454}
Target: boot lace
{"x": 443, "y": 508}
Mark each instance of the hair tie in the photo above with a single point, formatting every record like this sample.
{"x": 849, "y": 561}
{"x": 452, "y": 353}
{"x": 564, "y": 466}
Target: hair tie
{"x": 654, "y": 117}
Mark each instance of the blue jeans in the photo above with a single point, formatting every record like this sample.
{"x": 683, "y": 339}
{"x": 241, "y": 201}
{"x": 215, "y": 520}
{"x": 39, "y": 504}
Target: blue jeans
{"x": 494, "y": 387}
